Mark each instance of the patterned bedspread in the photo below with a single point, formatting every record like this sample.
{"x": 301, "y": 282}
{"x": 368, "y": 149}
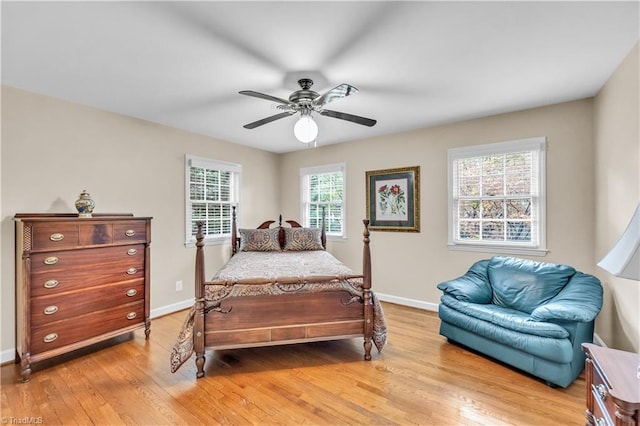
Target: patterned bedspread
{"x": 273, "y": 273}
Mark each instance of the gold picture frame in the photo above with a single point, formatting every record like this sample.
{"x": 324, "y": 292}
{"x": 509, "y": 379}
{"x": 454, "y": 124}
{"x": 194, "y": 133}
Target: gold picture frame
{"x": 393, "y": 199}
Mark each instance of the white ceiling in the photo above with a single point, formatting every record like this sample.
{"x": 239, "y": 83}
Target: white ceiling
{"x": 416, "y": 64}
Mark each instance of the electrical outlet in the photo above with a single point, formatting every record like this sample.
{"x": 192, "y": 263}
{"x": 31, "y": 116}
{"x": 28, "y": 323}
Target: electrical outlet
{"x": 178, "y": 285}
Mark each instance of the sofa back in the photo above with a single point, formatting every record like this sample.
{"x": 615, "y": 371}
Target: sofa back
{"x": 524, "y": 284}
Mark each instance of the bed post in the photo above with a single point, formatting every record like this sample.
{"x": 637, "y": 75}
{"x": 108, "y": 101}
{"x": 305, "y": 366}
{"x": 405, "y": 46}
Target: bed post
{"x": 198, "y": 325}
{"x": 234, "y": 232}
{"x": 366, "y": 290}
{"x": 323, "y": 234}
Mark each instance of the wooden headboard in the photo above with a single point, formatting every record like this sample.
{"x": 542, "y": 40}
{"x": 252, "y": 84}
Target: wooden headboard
{"x": 235, "y": 239}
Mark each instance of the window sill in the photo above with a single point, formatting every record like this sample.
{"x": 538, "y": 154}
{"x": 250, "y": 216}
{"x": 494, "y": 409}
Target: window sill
{"x": 210, "y": 242}
{"x": 488, "y": 248}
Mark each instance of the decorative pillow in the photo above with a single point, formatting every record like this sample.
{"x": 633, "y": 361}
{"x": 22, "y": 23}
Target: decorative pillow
{"x": 259, "y": 239}
{"x": 298, "y": 239}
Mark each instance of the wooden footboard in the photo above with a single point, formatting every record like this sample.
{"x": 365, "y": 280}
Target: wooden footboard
{"x": 289, "y": 318}
{"x": 251, "y": 321}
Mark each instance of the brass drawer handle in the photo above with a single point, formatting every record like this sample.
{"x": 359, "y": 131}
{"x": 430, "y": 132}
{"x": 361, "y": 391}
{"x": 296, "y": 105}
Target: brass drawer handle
{"x": 50, "y": 337}
{"x": 602, "y": 391}
{"x": 50, "y": 310}
{"x": 131, "y": 271}
{"x": 56, "y": 237}
{"x": 129, "y": 232}
{"x": 132, "y": 252}
{"x": 51, "y": 260}
{"x": 131, "y": 315}
{"x": 51, "y": 284}
{"x": 132, "y": 292}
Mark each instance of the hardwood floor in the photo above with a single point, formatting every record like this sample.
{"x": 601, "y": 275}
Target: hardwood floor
{"x": 419, "y": 378}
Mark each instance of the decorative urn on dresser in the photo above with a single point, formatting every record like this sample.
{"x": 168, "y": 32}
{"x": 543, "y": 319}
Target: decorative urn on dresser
{"x": 79, "y": 281}
{"x": 84, "y": 204}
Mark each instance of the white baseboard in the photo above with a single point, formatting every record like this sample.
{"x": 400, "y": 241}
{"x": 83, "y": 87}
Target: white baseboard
{"x": 8, "y": 356}
{"x": 598, "y": 341}
{"x": 169, "y": 309}
{"x": 407, "y": 302}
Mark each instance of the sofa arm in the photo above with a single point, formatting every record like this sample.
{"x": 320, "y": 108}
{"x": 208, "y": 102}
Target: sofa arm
{"x": 580, "y": 300}
{"x": 472, "y": 287}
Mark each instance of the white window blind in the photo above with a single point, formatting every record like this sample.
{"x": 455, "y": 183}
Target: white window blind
{"x": 497, "y": 197}
{"x": 323, "y": 187}
{"x": 212, "y": 188}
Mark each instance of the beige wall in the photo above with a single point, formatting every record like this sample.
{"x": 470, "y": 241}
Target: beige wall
{"x": 617, "y": 192}
{"x": 52, "y": 150}
{"x": 410, "y": 265}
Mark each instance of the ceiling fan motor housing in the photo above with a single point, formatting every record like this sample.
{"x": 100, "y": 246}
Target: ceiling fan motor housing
{"x": 304, "y": 96}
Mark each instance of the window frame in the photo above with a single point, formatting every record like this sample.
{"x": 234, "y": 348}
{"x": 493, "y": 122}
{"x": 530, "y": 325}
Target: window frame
{"x": 305, "y": 172}
{"x": 538, "y": 245}
{"x": 236, "y": 177}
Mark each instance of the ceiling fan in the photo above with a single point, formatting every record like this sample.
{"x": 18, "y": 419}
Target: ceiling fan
{"x": 305, "y": 101}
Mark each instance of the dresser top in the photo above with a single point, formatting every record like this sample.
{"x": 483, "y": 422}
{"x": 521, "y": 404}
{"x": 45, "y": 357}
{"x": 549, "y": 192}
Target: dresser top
{"x": 47, "y": 217}
{"x": 621, "y": 370}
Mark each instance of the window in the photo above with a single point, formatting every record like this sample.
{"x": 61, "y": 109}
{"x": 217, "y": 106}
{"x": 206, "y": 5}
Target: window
{"x": 212, "y": 188}
{"x": 323, "y": 187}
{"x": 497, "y": 197}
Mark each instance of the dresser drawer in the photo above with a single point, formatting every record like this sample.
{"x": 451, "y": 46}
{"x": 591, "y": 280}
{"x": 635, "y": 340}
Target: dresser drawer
{"x": 601, "y": 397}
{"x": 95, "y": 234}
{"x": 52, "y": 236}
{"x": 48, "y": 309}
{"x": 95, "y": 257}
{"x": 130, "y": 232}
{"x": 600, "y": 414}
{"x": 55, "y": 282}
{"x": 72, "y": 330}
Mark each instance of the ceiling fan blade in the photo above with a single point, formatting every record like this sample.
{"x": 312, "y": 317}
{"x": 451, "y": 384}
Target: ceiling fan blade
{"x": 268, "y": 120}
{"x": 264, "y": 96}
{"x": 349, "y": 117}
{"x": 337, "y": 92}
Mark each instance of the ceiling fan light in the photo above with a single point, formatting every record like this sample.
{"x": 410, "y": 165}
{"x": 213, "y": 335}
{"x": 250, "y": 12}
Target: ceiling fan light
{"x": 306, "y": 129}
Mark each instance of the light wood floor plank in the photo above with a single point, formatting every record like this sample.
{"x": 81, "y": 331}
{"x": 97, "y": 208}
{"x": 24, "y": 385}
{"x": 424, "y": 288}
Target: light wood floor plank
{"x": 419, "y": 378}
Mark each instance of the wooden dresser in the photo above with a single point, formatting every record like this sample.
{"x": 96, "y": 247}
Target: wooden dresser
{"x": 78, "y": 281}
{"x": 613, "y": 386}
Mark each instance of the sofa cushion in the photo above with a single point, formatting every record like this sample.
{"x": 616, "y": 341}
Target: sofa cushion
{"x": 523, "y": 284}
{"x": 555, "y": 350}
{"x": 580, "y": 300}
{"x": 506, "y": 318}
{"x": 471, "y": 287}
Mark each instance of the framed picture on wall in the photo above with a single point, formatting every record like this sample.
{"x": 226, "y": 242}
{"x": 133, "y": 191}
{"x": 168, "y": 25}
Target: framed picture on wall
{"x": 393, "y": 199}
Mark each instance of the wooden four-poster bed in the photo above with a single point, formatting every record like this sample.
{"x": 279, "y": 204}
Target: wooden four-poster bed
{"x": 280, "y": 286}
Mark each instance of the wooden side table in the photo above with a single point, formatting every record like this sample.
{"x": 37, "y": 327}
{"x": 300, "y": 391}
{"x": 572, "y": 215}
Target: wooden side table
{"x": 613, "y": 386}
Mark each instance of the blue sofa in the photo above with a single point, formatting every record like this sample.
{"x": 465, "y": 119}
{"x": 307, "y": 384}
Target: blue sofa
{"x": 531, "y": 315}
